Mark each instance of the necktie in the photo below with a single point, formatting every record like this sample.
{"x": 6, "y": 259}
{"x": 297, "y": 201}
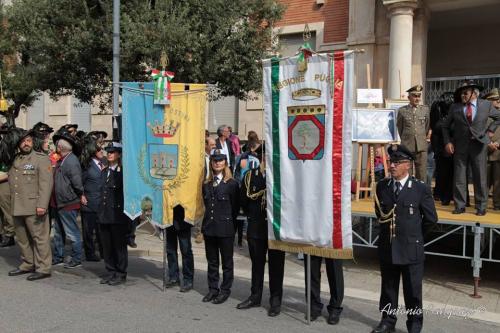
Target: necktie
{"x": 101, "y": 165}
{"x": 398, "y": 189}
{"x": 468, "y": 113}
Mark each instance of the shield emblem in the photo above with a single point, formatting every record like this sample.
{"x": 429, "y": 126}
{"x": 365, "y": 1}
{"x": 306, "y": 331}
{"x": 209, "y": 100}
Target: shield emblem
{"x": 163, "y": 160}
{"x": 306, "y": 132}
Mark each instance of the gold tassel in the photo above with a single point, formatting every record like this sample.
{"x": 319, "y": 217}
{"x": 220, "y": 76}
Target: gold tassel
{"x": 324, "y": 252}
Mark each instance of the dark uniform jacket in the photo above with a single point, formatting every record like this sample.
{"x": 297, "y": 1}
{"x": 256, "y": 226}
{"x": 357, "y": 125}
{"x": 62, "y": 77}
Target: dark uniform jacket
{"x": 254, "y": 209}
{"x": 415, "y": 213}
{"x": 463, "y": 132}
{"x": 111, "y": 207}
{"x": 221, "y": 208}
{"x": 93, "y": 182}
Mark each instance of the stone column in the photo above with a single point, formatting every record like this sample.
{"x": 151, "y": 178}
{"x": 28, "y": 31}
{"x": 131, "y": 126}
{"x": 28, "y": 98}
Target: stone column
{"x": 419, "y": 52}
{"x": 400, "y": 48}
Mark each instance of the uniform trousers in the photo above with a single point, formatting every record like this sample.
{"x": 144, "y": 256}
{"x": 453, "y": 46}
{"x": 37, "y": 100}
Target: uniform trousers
{"x": 183, "y": 237}
{"x": 494, "y": 180}
{"x": 335, "y": 276}
{"x": 476, "y": 154}
{"x": 223, "y": 246}
{"x": 276, "y": 265}
{"x": 6, "y": 220}
{"x": 114, "y": 245}
{"x": 412, "y": 290}
{"x": 420, "y": 170}
{"x": 89, "y": 229}
{"x": 33, "y": 238}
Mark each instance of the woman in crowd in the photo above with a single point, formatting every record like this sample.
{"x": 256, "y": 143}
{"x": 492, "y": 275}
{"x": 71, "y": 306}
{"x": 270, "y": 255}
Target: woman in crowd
{"x": 221, "y": 197}
{"x": 92, "y": 160}
{"x": 113, "y": 223}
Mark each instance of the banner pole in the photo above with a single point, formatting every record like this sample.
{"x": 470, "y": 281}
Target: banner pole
{"x": 164, "y": 258}
{"x": 308, "y": 292}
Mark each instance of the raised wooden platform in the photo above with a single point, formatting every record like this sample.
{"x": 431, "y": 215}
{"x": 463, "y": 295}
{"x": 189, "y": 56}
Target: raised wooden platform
{"x": 365, "y": 207}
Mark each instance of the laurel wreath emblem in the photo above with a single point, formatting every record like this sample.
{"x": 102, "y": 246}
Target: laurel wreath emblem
{"x": 172, "y": 185}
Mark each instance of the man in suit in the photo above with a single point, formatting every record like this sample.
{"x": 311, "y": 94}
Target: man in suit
{"x": 413, "y": 128}
{"x": 405, "y": 209}
{"x": 494, "y": 153}
{"x": 469, "y": 143}
{"x": 30, "y": 180}
{"x": 223, "y": 143}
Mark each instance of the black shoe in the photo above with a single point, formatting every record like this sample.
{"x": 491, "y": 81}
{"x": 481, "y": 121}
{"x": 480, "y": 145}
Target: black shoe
{"x": 105, "y": 279}
{"x": 333, "y": 318}
{"x": 92, "y": 258}
{"x": 57, "y": 262}
{"x": 171, "y": 283}
{"x": 186, "y": 287}
{"x": 7, "y": 241}
{"x": 274, "y": 311}
{"x": 496, "y": 208}
{"x": 18, "y": 271}
{"x": 458, "y": 211}
{"x": 132, "y": 243}
{"x": 209, "y": 297}
{"x": 249, "y": 303}
{"x": 72, "y": 264}
{"x": 481, "y": 212}
{"x": 383, "y": 328}
{"x": 221, "y": 298}
{"x": 37, "y": 276}
{"x": 117, "y": 280}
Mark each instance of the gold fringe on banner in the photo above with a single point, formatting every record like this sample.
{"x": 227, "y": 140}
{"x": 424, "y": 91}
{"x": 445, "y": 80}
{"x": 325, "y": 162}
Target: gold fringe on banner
{"x": 324, "y": 252}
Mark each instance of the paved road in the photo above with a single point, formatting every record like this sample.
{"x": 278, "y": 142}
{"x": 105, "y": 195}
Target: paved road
{"x": 74, "y": 301}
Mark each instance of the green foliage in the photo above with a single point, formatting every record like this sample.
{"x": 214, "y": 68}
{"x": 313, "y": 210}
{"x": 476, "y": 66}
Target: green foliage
{"x": 65, "y": 46}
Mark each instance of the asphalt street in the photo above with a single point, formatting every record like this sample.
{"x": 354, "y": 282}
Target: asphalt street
{"x": 74, "y": 301}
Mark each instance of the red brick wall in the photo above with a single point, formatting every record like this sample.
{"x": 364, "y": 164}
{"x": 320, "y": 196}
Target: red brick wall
{"x": 335, "y": 14}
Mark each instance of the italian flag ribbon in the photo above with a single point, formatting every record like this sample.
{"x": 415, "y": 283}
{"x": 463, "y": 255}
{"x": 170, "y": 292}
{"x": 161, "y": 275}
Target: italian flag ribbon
{"x": 162, "y": 91}
{"x": 305, "y": 52}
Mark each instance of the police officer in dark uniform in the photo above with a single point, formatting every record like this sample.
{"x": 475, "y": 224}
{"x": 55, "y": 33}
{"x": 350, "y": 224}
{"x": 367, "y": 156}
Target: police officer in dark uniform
{"x": 405, "y": 209}
{"x": 113, "y": 223}
{"x": 221, "y": 198}
{"x": 253, "y": 202}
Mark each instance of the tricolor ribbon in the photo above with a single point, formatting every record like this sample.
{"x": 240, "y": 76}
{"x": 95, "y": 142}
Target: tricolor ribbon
{"x": 162, "y": 89}
{"x": 305, "y": 52}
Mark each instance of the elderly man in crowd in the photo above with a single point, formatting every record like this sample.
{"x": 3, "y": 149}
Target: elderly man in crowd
{"x": 494, "y": 153}
{"x": 30, "y": 180}
{"x": 66, "y": 197}
{"x": 223, "y": 143}
{"x": 466, "y": 136}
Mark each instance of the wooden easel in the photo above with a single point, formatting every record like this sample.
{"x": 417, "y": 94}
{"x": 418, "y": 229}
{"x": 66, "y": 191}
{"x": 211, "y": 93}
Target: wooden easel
{"x": 370, "y": 167}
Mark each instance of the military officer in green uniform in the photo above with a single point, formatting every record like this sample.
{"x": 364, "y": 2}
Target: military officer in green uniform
{"x": 6, "y": 222}
{"x": 413, "y": 128}
{"x": 30, "y": 180}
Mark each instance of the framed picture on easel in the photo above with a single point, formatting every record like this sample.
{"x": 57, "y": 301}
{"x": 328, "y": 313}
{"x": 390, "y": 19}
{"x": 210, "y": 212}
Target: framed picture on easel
{"x": 374, "y": 125}
{"x": 395, "y": 104}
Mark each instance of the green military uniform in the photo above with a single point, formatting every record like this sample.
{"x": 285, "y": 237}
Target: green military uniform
{"x": 494, "y": 157}
{"x": 6, "y": 223}
{"x": 413, "y": 125}
{"x": 31, "y": 180}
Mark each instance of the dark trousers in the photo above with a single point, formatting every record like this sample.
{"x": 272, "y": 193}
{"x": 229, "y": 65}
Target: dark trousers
{"x": 444, "y": 178}
{"x": 89, "y": 229}
{"x": 239, "y": 230}
{"x": 223, "y": 246}
{"x": 412, "y": 290}
{"x": 183, "y": 237}
{"x": 114, "y": 245}
{"x": 335, "y": 280}
{"x": 131, "y": 230}
{"x": 258, "y": 250}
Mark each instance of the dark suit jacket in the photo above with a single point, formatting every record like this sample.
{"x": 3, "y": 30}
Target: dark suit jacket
{"x": 179, "y": 223}
{"x": 255, "y": 211}
{"x": 463, "y": 132}
{"x": 111, "y": 207}
{"x": 221, "y": 209}
{"x": 229, "y": 148}
{"x": 415, "y": 213}
{"x": 93, "y": 181}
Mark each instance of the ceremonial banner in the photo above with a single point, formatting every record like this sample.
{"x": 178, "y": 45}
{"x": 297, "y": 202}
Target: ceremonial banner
{"x": 308, "y": 154}
{"x": 163, "y": 152}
